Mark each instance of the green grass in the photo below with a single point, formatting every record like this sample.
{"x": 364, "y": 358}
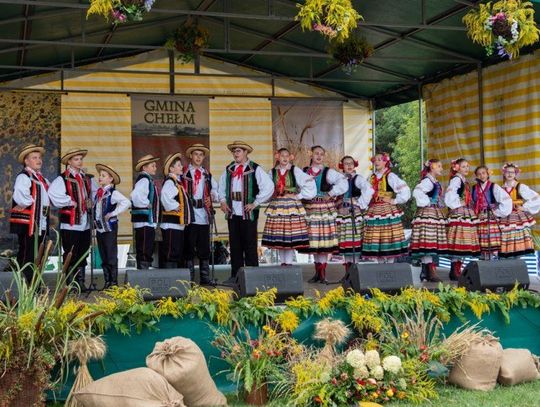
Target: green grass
{"x": 524, "y": 395}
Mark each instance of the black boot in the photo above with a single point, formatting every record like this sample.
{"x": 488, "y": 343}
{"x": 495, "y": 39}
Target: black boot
{"x": 113, "y": 275}
{"x": 79, "y": 278}
{"x": 106, "y": 277}
{"x": 170, "y": 265}
{"x": 424, "y": 272}
{"x": 191, "y": 267}
{"x": 144, "y": 265}
{"x": 204, "y": 271}
{"x": 317, "y": 276}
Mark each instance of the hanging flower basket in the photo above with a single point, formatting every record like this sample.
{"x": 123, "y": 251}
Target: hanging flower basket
{"x": 120, "y": 11}
{"x": 504, "y": 27}
{"x": 188, "y": 40}
{"x": 334, "y": 19}
{"x": 350, "y": 53}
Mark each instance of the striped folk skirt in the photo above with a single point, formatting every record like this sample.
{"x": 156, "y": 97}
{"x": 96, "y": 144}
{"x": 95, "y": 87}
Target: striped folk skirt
{"x": 286, "y": 226}
{"x": 322, "y": 229}
{"x": 463, "y": 233}
{"x": 516, "y": 239}
{"x": 346, "y": 236}
{"x": 383, "y": 232}
{"x": 429, "y": 232}
{"x": 489, "y": 233}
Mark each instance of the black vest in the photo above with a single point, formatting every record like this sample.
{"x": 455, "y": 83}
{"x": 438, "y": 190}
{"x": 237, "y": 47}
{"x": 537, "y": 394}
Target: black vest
{"x": 325, "y": 186}
{"x": 148, "y": 215}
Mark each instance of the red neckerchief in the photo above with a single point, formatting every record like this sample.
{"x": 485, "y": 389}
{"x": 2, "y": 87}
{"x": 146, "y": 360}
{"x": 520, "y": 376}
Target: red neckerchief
{"x": 312, "y": 172}
{"x": 42, "y": 180}
{"x": 375, "y": 183}
{"x": 80, "y": 181}
{"x": 100, "y": 193}
{"x": 281, "y": 182}
{"x": 197, "y": 178}
{"x": 481, "y": 202}
{"x": 239, "y": 172}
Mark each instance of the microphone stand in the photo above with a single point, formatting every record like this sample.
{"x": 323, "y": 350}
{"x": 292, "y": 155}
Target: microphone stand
{"x": 213, "y": 231}
{"x": 93, "y": 242}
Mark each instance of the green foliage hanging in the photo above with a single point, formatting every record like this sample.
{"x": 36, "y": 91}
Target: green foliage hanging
{"x": 351, "y": 52}
{"x": 188, "y": 40}
{"x": 334, "y": 19}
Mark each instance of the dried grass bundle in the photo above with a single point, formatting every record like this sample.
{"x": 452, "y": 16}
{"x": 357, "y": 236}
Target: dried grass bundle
{"x": 84, "y": 349}
{"x": 333, "y": 333}
{"x": 459, "y": 342}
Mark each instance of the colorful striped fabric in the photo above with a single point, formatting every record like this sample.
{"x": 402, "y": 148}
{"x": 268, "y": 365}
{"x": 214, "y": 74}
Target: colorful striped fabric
{"x": 428, "y": 236}
{"x": 286, "y": 226}
{"x": 346, "y": 232}
{"x": 511, "y": 109}
{"x": 463, "y": 233}
{"x": 384, "y": 236}
{"x": 321, "y": 220}
{"x": 516, "y": 237}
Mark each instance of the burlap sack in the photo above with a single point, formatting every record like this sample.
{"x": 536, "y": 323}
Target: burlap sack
{"x": 182, "y": 363}
{"x": 140, "y": 387}
{"x": 479, "y": 367}
{"x": 517, "y": 366}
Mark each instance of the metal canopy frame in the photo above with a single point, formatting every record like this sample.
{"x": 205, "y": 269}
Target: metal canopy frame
{"x": 378, "y": 69}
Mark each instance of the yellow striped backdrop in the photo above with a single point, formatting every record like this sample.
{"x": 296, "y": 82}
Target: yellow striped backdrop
{"x": 241, "y": 109}
{"x": 102, "y": 124}
{"x": 511, "y": 104}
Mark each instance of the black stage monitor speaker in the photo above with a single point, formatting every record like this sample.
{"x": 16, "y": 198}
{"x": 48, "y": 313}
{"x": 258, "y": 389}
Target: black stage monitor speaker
{"x": 161, "y": 282}
{"x": 499, "y": 275}
{"x": 288, "y": 281}
{"x": 387, "y": 277}
{"x": 7, "y": 283}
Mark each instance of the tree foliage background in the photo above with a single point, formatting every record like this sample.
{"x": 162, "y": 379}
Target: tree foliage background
{"x": 397, "y": 132}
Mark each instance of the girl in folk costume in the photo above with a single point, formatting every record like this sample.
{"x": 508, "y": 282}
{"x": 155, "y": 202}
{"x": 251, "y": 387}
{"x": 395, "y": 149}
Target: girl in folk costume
{"x": 462, "y": 229}
{"x": 145, "y": 210}
{"x": 29, "y": 215}
{"x": 384, "y": 237}
{"x": 516, "y": 237}
{"x": 286, "y": 227}
{"x": 429, "y": 224}
{"x": 490, "y": 203}
{"x": 108, "y": 204}
{"x": 176, "y": 213}
{"x": 72, "y": 192}
{"x": 322, "y": 213}
{"x": 352, "y": 205}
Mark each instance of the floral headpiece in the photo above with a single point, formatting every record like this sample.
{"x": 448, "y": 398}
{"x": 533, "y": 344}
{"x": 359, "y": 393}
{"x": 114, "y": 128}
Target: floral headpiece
{"x": 510, "y": 165}
{"x": 385, "y": 158}
{"x": 340, "y": 165}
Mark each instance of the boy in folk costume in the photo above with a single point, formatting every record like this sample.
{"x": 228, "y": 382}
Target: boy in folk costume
{"x": 176, "y": 213}
{"x": 108, "y": 204}
{"x": 242, "y": 188}
{"x": 286, "y": 228}
{"x": 491, "y": 202}
{"x": 72, "y": 192}
{"x": 358, "y": 196}
{"x": 145, "y": 210}
{"x": 428, "y": 237}
{"x": 384, "y": 237}
{"x": 462, "y": 229}
{"x": 516, "y": 237}
{"x": 201, "y": 189}
{"x": 322, "y": 213}
{"x": 29, "y": 216}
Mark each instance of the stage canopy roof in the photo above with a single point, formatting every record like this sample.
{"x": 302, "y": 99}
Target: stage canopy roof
{"x": 415, "y": 41}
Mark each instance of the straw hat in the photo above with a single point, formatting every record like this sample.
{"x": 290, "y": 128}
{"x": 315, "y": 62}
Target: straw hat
{"x": 72, "y": 152}
{"x": 31, "y": 148}
{"x": 110, "y": 171}
{"x": 168, "y": 162}
{"x": 240, "y": 144}
{"x": 147, "y": 159}
{"x": 199, "y": 147}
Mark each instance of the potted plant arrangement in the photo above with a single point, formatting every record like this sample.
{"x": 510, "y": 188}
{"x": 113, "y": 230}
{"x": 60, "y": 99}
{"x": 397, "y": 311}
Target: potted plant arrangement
{"x": 255, "y": 363}
{"x": 351, "y": 52}
{"x": 503, "y": 27}
{"x": 188, "y": 40}
{"x": 36, "y": 329}
{"x": 334, "y": 19}
{"x": 121, "y": 11}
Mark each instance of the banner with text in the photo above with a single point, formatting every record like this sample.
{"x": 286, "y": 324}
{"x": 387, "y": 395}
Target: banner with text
{"x": 162, "y": 125}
